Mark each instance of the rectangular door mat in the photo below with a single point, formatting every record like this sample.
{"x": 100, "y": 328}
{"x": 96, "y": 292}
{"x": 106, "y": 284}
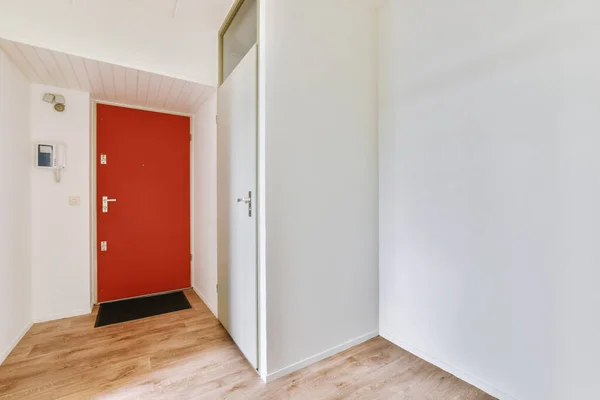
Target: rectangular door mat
{"x": 141, "y": 307}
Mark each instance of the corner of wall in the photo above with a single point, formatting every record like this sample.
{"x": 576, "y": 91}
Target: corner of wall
{"x": 4, "y": 355}
{"x": 471, "y": 379}
{"x": 320, "y": 356}
{"x": 204, "y": 298}
{"x": 60, "y": 315}
{"x": 204, "y": 207}
{"x": 15, "y": 210}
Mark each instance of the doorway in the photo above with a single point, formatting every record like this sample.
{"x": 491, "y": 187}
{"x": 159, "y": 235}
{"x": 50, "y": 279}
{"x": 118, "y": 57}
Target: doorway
{"x": 142, "y": 202}
{"x": 237, "y": 109}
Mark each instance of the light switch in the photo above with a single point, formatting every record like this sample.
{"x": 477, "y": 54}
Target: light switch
{"x": 74, "y": 200}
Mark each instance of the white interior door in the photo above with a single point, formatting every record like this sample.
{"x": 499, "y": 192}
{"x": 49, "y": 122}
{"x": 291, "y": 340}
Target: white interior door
{"x": 236, "y": 172}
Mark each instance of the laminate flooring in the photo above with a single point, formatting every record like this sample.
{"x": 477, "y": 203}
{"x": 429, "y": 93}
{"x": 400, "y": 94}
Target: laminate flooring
{"x": 189, "y": 355}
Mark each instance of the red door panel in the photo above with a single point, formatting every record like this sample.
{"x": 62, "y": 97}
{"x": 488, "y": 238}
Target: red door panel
{"x": 147, "y": 228}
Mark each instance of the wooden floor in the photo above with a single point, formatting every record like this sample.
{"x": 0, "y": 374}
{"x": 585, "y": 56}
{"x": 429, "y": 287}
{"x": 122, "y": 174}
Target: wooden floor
{"x": 188, "y": 355}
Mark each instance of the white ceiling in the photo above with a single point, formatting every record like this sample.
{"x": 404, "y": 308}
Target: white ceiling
{"x": 107, "y": 82}
{"x": 208, "y": 13}
{"x": 177, "y": 38}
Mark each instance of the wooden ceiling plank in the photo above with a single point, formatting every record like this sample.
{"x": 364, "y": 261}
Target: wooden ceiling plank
{"x": 143, "y": 86}
{"x": 92, "y": 69}
{"x": 78, "y": 65}
{"x": 36, "y": 63}
{"x": 108, "y": 80}
{"x": 52, "y": 67}
{"x": 62, "y": 60}
{"x": 131, "y": 82}
{"x": 20, "y": 60}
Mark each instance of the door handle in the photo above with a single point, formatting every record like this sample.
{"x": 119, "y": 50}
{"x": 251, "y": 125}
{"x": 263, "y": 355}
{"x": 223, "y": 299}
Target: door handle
{"x": 105, "y": 201}
{"x": 247, "y": 200}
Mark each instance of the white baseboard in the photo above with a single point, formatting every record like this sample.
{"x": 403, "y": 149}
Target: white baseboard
{"x": 212, "y": 308}
{"x": 478, "y": 383}
{"x": 69, "y": 314}
{"x": 318, "y": 357}
{"x": 15, "y": 342}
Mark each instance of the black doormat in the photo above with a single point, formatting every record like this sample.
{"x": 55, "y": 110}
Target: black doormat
{"x": 141, "y": 307}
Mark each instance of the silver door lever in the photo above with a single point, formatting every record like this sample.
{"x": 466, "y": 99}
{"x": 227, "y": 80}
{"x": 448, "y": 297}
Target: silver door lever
{"x": 247, "y": 200}
{"x": 105, "y": 201}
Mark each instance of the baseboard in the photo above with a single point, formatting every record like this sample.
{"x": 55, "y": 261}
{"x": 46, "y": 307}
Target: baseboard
{"x": 478, "y": 383}
{"x": 318, "y": 357}
{"x": 205, "y": 300}
{"x": 15, "y": 342}
{"x": 69, "y": 314}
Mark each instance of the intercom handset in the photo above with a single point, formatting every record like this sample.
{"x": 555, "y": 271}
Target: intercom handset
{"x": 51, "y": 156}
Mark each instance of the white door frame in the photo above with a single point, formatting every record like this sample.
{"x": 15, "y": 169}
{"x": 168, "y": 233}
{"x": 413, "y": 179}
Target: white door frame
{"x": 93, "y": 190}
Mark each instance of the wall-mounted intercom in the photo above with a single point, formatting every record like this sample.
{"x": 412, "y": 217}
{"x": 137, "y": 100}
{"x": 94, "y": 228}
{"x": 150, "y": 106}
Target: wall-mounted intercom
{"x": 51, "y": 156}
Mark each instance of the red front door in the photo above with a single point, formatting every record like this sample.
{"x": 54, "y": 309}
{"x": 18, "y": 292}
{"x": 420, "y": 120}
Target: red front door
{"x": 144, "y": 234}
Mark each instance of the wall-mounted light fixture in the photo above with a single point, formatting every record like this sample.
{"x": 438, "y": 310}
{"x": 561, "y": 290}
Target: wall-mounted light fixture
{"x": 56, "y": 99}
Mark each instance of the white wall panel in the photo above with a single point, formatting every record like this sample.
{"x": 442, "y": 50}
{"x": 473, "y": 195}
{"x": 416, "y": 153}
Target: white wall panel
{"x": 320, "y": 150}
{"x": 489, "y": 191}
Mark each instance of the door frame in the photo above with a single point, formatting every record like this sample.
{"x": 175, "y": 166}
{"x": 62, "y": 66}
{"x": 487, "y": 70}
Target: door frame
{"x": 93, "y": 190}
{"x": 235, "y": 7}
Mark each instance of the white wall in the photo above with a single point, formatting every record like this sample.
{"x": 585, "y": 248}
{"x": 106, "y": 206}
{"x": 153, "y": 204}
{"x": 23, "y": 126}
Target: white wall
{"x": 489, "y": 191}
{"x": 205, "y": 202}
{"x": 122, "y": 33}
{"x": 320, "y": 145}
{"x": 15, "y": 234}
{"x": 60, "y": 232}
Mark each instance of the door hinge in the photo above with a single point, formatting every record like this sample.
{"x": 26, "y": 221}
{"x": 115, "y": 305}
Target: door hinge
{"x": 216, "y": 119}
{"x": 217, "y": 288}
{"x": 191, "y": 257}
{"x": 190, "y": 137}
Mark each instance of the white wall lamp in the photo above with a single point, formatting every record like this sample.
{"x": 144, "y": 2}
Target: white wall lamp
{"x": 56, "y": 99}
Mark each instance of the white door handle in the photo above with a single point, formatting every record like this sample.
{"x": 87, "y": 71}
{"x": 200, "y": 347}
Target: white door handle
{"x": 105, "y": 201}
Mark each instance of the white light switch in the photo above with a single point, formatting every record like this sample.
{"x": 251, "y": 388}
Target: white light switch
{"x": 74, "y": 200}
